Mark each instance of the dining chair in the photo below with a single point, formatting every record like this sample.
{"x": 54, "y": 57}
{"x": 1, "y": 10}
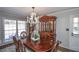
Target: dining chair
{"x": 23, "y": 35}
{"x": 21, "y": 46}
{"x": 15, "y": 41}
{"x": 55, "y": 46}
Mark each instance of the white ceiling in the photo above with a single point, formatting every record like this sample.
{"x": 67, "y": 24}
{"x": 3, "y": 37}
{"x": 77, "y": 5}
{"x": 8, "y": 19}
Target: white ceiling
{"x": 22, "y": 12}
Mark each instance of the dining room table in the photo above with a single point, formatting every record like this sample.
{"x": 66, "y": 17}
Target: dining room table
{"x": 38, "y": 47}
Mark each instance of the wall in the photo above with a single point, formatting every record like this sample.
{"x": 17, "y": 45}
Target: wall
{"x": 63, "y": 22}
{"x": 0, "y": 30}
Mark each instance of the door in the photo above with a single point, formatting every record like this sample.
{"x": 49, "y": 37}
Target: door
{"x": 74, "y": 33}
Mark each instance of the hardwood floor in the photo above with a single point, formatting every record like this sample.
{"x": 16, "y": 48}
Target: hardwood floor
{"x": 8, "y": 49}
{"x": 66, "y": 49}
{"x": 12, "y": 49}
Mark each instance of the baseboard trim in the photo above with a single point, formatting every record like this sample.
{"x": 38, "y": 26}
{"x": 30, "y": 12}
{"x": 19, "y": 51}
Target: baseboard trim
{"x": 65, "y": 49}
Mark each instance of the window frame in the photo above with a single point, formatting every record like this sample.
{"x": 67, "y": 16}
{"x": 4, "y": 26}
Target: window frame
{"x": 16, "y": 28}
{"x": 77, "y": 23}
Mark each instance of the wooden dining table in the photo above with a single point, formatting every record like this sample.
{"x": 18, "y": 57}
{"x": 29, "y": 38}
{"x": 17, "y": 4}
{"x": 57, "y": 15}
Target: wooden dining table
{"x": 38, "y": 47}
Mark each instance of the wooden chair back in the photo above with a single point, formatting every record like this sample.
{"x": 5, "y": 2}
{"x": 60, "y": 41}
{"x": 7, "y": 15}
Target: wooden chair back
{"x": 16, "y": 43}
{"x": 21, "y": 46}
{"x": 55, "y": 46}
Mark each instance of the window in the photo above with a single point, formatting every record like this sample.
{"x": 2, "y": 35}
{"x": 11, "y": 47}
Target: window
{"x": 76, "y": 25}
{"x": 21, "y": 27}
{"x": 9, "y": 29}
{"x": 13, "y": 28}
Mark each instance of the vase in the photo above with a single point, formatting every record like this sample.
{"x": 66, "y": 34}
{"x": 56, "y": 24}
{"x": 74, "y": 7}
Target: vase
{"x": 35, "y": 37}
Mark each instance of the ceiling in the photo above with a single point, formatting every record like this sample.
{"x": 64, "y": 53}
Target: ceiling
{"x": 22, "y": 12}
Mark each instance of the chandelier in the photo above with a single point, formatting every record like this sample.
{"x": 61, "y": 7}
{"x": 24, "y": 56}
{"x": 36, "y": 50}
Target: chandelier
{"x": 33, "y": 19}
